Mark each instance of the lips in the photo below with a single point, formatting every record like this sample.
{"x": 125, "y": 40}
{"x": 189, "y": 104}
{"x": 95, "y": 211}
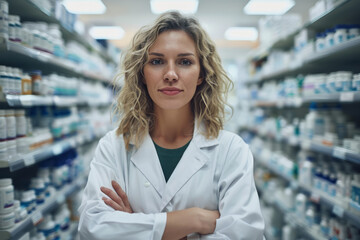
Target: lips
{"x": 171, "y": 91}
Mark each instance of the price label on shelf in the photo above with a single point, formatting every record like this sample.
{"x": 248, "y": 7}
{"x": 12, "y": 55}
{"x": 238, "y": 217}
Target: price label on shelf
{"x": 72, "y": 142}
{"x": 294, "y": 184}
{"x": 306, "y": 144}
{"x": 338, "y": 211}
{"x": 339, "y": 153}
{"x": 57, "y": 150}
{"x": 315, "y": 197}
{"x": 36, "y": 218}
{"x": 29, "y": 159}
{"x": 60, "y": 198}
{"x": 347, "y": 97}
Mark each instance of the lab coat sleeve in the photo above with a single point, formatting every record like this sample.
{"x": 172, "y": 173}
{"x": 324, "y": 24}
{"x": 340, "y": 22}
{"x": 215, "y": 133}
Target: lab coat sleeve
{"x": 240, "y": 213}
{"x": 99, "y": 221}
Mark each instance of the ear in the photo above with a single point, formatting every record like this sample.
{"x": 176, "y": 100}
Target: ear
{"x": 199, "y": 81}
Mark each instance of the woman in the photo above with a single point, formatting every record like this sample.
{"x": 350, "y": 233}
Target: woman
{"x": 169, "y": 171}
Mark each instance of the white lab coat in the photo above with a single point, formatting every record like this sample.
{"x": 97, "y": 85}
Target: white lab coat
{"x": 212, "y": 174}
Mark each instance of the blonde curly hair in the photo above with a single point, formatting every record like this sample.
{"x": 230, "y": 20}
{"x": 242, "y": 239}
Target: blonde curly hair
{"x": 133, "y": 104}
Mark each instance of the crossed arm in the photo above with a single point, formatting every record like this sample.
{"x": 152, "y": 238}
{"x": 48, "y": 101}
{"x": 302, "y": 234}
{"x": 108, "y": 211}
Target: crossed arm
{"x": 179, "y": 223}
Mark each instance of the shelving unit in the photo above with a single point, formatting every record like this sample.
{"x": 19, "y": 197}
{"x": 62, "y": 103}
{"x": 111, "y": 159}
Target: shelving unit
{"x": 341, "y": 55}
{"x": 23, "y": 57}
{"x": 11, "y": 53}
{"x": 55, "y": 200}
{"x": 294, "y": 221}
{"x": 328, "y": 18}
{"x": 34, "y": 100}
{"x": 316, "y": 196}
{"x": 343, "y": 97}
{"x": 32, "y": 12}
{"x": 336, "y": 152}
{"x": 19, "y": 161}
{"x": 346, "y": 53}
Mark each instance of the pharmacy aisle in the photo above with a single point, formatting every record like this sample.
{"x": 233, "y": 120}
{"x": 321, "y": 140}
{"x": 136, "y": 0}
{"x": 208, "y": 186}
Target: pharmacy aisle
{"x": 49, "y": 125}
{"x": 302, "y": 123}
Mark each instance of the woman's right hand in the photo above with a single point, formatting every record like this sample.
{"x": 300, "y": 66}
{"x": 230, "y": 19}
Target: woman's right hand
{"x": 206, "y": 220}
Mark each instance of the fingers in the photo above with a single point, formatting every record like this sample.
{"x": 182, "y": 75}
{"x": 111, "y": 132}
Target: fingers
{"x": 112, "y": 204}
{"x": 121, "y": 193}
{"x": 114, "y": 197}
{"x": 118, "y": 199}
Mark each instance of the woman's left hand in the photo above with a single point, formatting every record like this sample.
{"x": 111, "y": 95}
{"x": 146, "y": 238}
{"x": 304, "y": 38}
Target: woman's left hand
{"x": 118, "y": 199}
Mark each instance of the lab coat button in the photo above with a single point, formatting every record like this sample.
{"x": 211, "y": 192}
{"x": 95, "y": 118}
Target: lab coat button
{"x": 147, "y": 184}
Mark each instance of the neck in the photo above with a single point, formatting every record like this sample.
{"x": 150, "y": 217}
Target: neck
{"x": 173, "y": 128}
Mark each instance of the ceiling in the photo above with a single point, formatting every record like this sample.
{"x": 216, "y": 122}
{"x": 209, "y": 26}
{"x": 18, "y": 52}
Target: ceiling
{"x": 215, "y": 16}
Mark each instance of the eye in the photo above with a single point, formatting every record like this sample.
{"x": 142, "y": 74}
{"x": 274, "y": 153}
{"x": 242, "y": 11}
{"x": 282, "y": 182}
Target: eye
{"x": 156, "y": 61}
{"x": 185, "y": 62}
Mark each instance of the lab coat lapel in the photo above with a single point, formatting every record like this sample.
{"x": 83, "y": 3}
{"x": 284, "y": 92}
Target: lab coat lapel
{"x": 192, "y": 161}
{"x": 146, "y": 160}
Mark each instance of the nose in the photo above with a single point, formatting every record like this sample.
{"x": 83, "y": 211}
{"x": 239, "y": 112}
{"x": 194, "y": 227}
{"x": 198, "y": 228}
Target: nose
{"x": 170, "y": 73}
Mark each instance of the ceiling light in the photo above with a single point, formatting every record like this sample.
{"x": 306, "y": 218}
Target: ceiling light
{"x": 268, "y": 7}
{"x": 241, "y": 33}
{"x": 183, "y": 6}
{"x": 106, "y": 32}
{"x": 85, "y": 6}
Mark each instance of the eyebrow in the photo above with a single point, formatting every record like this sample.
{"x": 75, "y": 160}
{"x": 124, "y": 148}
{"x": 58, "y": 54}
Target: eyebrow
{"x": 179, "y": 55}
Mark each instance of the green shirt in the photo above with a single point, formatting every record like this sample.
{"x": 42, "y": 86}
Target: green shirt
{"x": 169, "y": 158}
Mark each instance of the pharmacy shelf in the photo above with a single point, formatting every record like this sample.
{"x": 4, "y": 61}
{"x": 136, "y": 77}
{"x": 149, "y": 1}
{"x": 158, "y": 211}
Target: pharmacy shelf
{"x": 18, "y": 55}
{"x": 341, "y": 10}
{"x": 276, "y": 171}
{"x": 336, "y": 152}
{"x": 337, "y": 57}
{"x": 34, "y": 100}
{"x": 342, "y": 54}
{"x": 51, "y": 203}
{"x": 28, "y": 100}
{"x": 338, "y": 208}
{"x": 344, "y": 97}
{"x": 20, "y": 161}
{"x": 28, "y": 11}
{"x": 280, "y": 73}
{"x": 73, "y": 231}
{"x": 305, "y": 229}
{"x": 342, "y": 210}
{"x": 294, "y": 221}
{"x": 268, "y": 236}
{"x": 293, "y": 141}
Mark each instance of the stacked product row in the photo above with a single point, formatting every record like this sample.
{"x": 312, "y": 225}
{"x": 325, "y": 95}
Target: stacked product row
{"x": 299, "y": 210}
{"x": 323, "y": 124}
{"x": 47, "y": 38}
{"x": 335, "y": 180}
{"x": 17, "y": 82}
{"x": 302, "y": 87}
{"x": 52, "y": 175}
{"x": 23, "y": 131}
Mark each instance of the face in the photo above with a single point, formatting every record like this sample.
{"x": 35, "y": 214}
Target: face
{"x": 172, "y": 72}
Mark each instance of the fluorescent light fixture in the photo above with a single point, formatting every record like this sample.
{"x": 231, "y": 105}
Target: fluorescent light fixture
{"x": 85, "y": 6}
{"x": 106, "y": 32}
{"x": 241, "y": 33}
{"x": 268, "y": 7}
{"x": 183, "y": 6}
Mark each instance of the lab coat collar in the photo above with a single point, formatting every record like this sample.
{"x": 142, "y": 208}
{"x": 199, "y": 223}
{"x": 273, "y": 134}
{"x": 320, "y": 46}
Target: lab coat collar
{"x": 194, "y": 158}
{"x": 146, "y": 160}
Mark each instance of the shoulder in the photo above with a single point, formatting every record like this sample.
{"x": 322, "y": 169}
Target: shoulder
{"x": 110, "y": 148}
{"x": 231, "y": 139}
{"x": 111, "y": 141}
{"x": 111, "y": 137}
